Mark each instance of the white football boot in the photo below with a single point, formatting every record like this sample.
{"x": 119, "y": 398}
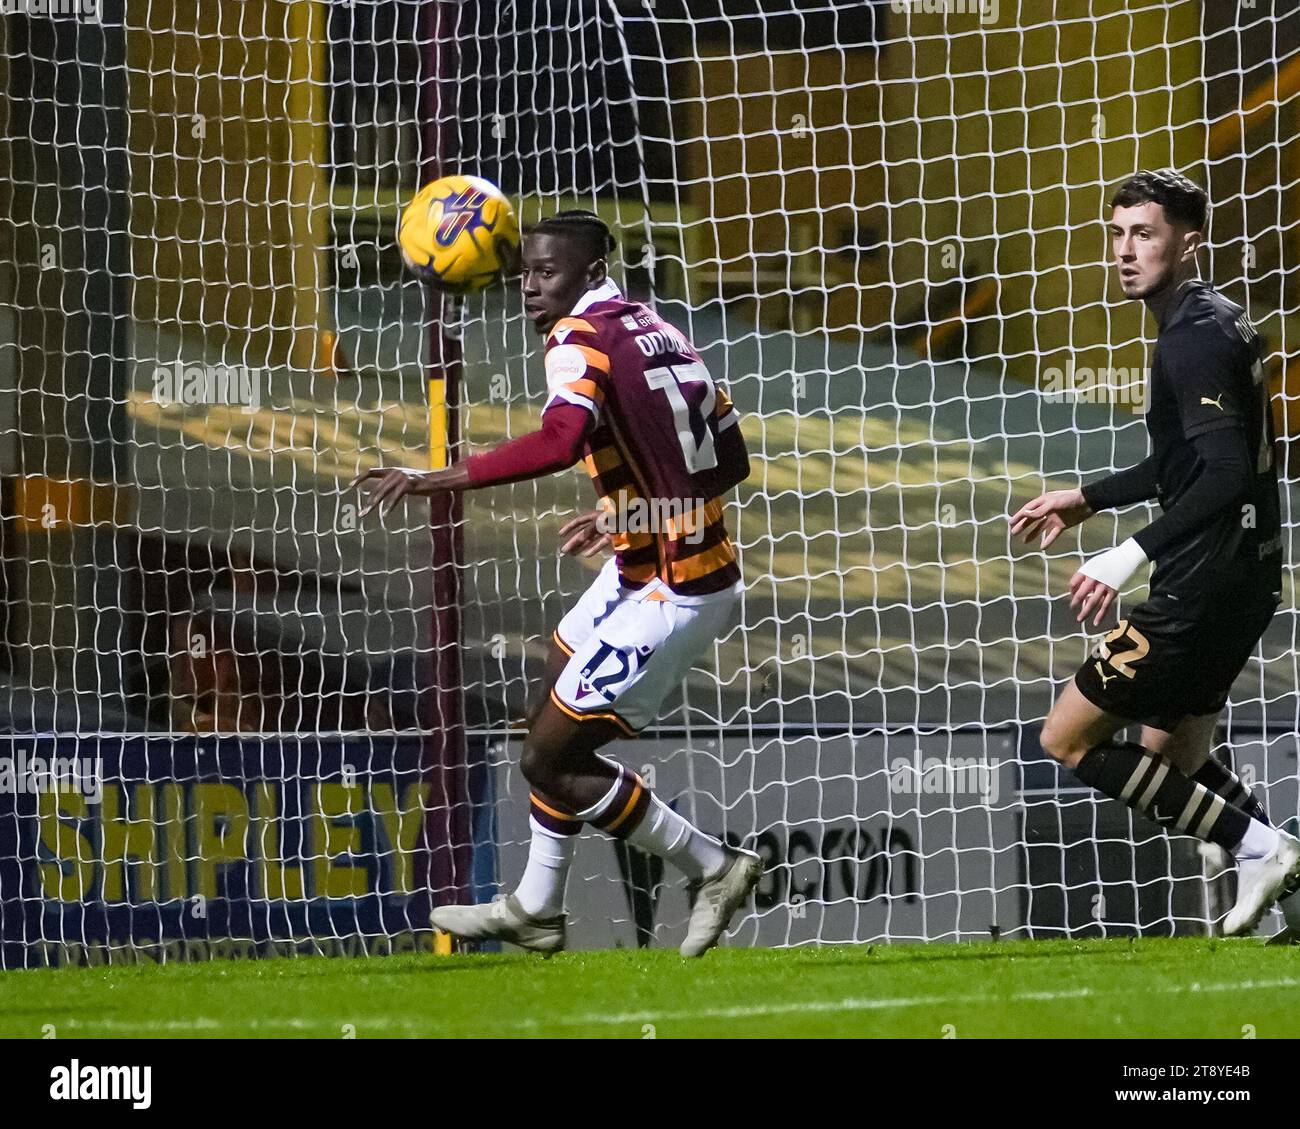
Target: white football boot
{"x": 1261, "y": 881}
{"x": 502, "y": 920}
{"x": 718, "y": 899}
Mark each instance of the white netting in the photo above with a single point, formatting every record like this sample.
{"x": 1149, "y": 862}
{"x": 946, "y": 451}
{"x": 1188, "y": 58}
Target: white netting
{"x": 880, "y": 225}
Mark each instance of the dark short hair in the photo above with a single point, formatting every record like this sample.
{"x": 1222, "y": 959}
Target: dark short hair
{"x": 1183, "y": 200}
{"x": 587, "y": 228}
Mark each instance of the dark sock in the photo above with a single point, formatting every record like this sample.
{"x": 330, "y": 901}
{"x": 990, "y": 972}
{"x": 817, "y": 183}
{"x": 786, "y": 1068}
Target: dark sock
{"x": 1228, "y": 784}
{"x": 1153, "y": 786}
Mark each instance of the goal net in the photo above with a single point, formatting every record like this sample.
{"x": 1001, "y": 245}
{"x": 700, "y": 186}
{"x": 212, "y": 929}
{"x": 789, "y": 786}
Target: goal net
{"x": 879, "y": 223}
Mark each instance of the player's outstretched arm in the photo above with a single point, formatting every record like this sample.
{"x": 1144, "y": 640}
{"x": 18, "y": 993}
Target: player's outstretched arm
{"x": 386, "y": 486}
{"x": 556, "y": 446}
{"x": 1094, "y": 587}
{"x": 1123, "y": 488}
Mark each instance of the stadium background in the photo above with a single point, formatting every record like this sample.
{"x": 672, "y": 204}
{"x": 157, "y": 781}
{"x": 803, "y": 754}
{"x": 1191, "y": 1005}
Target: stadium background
{"x": 881, "y": 229}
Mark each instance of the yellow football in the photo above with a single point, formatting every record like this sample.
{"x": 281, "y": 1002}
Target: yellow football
{"x": 459, "y": 233}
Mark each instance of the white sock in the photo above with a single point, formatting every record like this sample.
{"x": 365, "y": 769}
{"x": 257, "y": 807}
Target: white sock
{"x": 665, "y": 833}
{"x": 1258, "y": 841}
{"x": 541, "y": 890}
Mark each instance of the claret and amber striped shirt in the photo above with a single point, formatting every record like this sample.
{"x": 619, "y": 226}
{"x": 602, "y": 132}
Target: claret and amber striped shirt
{"x": 653, "y": 448}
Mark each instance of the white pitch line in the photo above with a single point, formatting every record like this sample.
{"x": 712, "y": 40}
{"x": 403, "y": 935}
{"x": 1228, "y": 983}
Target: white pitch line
{"x": 903, "y": 1002}
{"x": 207, "y": 1023}
{"x": 365, "y": 1024}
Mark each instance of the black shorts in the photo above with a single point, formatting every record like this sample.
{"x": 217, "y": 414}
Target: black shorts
{"x": 1167, "y": 661}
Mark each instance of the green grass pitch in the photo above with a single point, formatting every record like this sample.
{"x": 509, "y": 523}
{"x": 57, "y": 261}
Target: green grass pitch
{"x": 1141, "y": 988}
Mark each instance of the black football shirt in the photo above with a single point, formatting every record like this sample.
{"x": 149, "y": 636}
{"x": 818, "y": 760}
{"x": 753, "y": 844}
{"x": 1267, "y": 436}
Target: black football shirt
{"x": 1208, "y": 373}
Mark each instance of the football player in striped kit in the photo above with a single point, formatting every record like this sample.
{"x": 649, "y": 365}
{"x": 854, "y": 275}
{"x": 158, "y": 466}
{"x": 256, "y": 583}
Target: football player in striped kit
{"x": 629, "y": 395}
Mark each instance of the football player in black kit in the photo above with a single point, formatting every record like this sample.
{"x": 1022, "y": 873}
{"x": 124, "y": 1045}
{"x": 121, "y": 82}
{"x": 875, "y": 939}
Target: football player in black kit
{"x": 1217, "y": 548}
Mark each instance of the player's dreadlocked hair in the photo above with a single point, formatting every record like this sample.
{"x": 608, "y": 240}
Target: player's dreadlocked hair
{"x": 1184, "y": 201}
{"x": 588, "y": 228}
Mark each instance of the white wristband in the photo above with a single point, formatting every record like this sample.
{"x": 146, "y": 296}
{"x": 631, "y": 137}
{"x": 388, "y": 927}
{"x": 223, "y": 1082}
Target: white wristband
{"x": 1114, "y": 567}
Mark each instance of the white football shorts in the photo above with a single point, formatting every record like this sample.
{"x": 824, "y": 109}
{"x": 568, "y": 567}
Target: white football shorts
{"x": 629, "y": 648}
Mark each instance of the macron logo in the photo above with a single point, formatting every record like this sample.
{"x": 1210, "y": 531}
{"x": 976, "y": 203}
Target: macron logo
{"x": 102, "y": 1083}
